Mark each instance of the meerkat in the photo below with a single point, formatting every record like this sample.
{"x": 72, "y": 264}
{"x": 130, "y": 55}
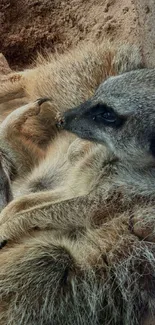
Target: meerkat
{"x": 87, "y": 258}
{"x": 67, "y": 80}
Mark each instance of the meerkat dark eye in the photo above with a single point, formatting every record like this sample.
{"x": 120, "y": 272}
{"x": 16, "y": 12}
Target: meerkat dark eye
{"x": 108, "y": 117}
{"x": 103, "y": 114}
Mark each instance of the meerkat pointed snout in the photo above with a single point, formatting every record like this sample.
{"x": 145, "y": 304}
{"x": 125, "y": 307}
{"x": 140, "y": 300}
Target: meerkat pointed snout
{"x": 121, "y": 115}
{"x": 89, "y": 120}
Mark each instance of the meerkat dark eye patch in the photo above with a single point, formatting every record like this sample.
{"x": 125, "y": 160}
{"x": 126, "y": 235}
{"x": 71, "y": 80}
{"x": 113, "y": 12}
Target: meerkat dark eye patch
{"x": 103, "y": 114}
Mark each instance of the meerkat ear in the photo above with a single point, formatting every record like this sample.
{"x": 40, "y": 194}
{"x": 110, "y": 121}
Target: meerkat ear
{"x": 152, "y": 144}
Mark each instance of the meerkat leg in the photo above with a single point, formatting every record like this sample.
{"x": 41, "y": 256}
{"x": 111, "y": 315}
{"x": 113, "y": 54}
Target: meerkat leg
{"x": 62, "y": 215}
{"x": 75, "y": 212}
{"x": 33, "y": 200}
{"x": 24, "y": 137}
{"x": 11, "y": 86}
{"x": 19, "y": 153}
{"x": 50, "y": 183}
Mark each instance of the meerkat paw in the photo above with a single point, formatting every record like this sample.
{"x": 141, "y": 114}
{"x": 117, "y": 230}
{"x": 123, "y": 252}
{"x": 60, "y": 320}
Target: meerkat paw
{"x": 18, "y": 117}
{"x": 35, "y": 121}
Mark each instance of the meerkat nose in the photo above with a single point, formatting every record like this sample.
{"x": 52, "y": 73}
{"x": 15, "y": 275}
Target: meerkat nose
{"x": 60, "y": 121}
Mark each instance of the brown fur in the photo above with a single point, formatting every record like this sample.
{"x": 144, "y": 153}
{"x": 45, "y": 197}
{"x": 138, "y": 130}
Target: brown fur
{"x": 74, "y": 252}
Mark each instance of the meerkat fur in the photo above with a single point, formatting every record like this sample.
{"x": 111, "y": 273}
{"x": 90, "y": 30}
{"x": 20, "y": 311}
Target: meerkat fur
{"x": 80, "y": 239}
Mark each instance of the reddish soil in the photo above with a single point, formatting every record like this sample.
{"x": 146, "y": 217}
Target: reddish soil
{"x": 28, "y": 26}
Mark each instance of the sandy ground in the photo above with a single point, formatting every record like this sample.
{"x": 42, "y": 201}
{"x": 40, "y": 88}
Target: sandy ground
{"x": 28, "y": 26}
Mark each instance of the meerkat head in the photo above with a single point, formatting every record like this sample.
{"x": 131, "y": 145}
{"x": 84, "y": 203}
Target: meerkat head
{"x": 121, "y": 115}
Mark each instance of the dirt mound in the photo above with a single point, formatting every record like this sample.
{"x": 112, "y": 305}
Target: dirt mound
{"x": 28, "y": 26}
